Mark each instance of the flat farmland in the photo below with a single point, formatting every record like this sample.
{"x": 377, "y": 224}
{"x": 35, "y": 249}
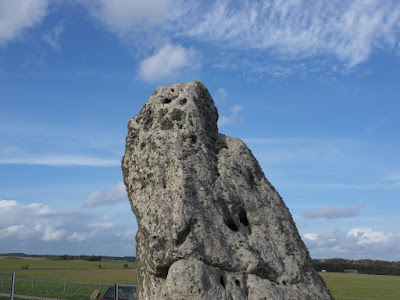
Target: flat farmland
{"x": 362, "y": 286}
{"x": 342, "y": 286}
{"x": 71, "y": 270}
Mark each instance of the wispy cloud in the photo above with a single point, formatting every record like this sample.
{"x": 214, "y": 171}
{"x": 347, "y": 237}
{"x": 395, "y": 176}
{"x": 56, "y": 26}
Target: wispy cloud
{"x": 220, "y": 95}
{"x": 233, "y": 117}
{"x": 284, "y": 37}
{"x": 114, "y": 195}
{"x": 334, "y": 152}
{"x": 59, "y": 160}
{"x": 124, "y": 16}
{"x": 17, "y": 15}
{"x": 381, "y": 185}
{"x": 53, "y": 37}
{"x": 331, "y": 212}
{"x": 347, "y": 30}
{"x": 169, "y": 62}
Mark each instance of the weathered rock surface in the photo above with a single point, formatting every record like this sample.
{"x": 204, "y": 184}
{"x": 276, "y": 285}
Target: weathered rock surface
{"x": 211, "y": 226}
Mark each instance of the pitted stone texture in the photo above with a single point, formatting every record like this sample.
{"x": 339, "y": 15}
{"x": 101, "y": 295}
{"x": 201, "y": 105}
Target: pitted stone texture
{"x": 211, "y": 226}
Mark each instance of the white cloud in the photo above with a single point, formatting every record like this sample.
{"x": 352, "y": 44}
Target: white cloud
{"x": 347, "y": 30}
{"x": 114, "y": 195}
{"x": 279, "y": 34}
{"x": 330, "y": 212}
{"x": 311, "y": 236}
{"x": 76, "y": 237}
{"x": 101, "y": 225}
{"x": 368, "y": 236}
{"x": 282, "y": 37}
{"x": 53, "y": 37}
{"x": 233, "y": 117}
{"x": 35, "y": 228}
{"x": 168, "y": 63}
{"x": 358, "y": 243}
{"x": 17, "y": 15}
{"x": 220, "y": 95}
{"x": 58, "y": 160}
{"x": 51, "y": 233}
{"x": 123, "y": 16}
{"x": 24, "y": 221}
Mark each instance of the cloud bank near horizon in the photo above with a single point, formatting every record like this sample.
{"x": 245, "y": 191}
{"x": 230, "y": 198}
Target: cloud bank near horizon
{"x": 22, "y": 226}
{"x": 359, "y": 243}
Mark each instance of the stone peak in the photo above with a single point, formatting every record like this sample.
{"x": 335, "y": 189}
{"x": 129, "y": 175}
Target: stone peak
{"x": 186, "y": 106}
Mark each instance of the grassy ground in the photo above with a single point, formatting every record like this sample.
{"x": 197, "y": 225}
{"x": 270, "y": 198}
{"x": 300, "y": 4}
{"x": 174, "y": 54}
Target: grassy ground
{"x": 342, "y": 286}
{"x": 361, "y": 286}
{"x": 73, "y": 271}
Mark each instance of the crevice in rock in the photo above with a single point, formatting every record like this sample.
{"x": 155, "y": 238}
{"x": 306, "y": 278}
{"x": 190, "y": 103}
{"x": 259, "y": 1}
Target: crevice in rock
{"x": 181, "y": 238}
{"x": 182, "y": 235}
{"x": 250, "y": 178}
{"x": 166, "y": 101}
{"x": 222, "y": 281}
{"x": 246, "y": 290}
{"x": 265, "y": 272}
{"x": 231, "y": 224}
{"x": 243, "y": 217}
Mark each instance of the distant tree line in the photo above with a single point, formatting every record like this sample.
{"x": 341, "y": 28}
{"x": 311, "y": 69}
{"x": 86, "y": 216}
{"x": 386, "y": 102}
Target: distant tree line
{"x": 363, "y": 266}
{"x": 74, "y": 257}
{"x": 94, "y": 258}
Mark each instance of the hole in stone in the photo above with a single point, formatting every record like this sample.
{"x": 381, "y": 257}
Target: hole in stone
{"x": 142, "y": 145}
{"x": 193, "y": 138}
{"x": 183, "y": 101}
{"x": 162, "y": 271}
{"x": 172, "y": 90}
{"x": 237, "y": 282}
{"x": 222, "y": 281}
{"x": 231, "y": 224}
{"x": 243, "y": 217}
{"x": 166, "y": 101}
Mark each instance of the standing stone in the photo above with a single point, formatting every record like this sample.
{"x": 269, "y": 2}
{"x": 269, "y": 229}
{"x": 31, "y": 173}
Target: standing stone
{"x": 211, "y": 226}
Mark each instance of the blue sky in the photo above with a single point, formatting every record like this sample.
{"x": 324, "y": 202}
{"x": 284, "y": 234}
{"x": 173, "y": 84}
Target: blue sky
{"x": 313, "y": 90}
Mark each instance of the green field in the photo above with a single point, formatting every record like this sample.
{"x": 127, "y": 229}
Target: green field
{"x": 72, "y": 271}
{"x": 361, "y": 286}
{"x": 342, "y": 286}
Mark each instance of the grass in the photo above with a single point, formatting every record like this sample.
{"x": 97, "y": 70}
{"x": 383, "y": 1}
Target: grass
{"x": 72, "y": 271}
{"x": 362, "y": 286}
{"x": 48, "y": 278}
{"x": 342, "y": 286}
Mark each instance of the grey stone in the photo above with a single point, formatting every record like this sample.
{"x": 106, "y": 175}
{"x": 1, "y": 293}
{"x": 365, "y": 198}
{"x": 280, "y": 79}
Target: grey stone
{"x": 211, "y": 226}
